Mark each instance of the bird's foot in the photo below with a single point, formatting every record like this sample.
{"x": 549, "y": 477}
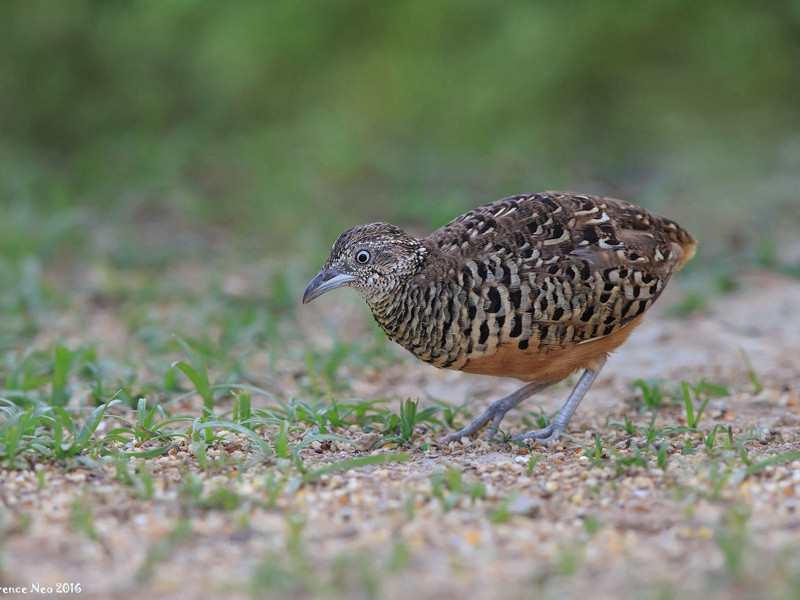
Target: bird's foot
{"x": 495, "y": 413}
{"x": 492, "y": 413}
{"x": 541, "y": 436}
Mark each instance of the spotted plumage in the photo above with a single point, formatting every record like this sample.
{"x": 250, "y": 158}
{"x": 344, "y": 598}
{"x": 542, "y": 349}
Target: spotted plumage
{"x": 533, "y": 286}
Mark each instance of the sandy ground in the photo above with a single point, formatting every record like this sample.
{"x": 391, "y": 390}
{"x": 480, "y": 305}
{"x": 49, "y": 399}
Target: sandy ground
{"x": 573, "y": 528}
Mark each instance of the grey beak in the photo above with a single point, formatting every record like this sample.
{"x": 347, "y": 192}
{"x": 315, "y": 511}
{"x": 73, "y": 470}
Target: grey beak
{"x": 326, "y": 281}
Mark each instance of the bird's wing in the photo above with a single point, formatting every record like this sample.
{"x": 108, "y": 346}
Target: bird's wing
{"x": 562, "y": 269}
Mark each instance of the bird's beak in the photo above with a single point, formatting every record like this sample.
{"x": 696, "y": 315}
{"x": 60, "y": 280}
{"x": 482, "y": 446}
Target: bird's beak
{"x": 324, "y": 282}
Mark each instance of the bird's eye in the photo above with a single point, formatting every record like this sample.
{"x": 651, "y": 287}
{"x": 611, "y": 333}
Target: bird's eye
{"x": 362, "y": 257}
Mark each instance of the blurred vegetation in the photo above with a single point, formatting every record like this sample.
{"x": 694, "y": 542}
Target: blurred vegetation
{"x": 153, "y": 128}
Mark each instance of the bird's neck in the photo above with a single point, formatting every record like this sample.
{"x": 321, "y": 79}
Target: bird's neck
{"x": 385, "y": 306}
{"x": 396, "y": 290}
{"x": 405, "y": 311}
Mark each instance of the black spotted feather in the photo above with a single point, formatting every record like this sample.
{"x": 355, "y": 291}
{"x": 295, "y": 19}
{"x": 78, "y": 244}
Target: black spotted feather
{"x": 541, "y": 271}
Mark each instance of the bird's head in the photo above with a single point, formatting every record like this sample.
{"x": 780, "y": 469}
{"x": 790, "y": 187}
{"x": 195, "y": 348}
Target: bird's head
{"x": 373, "y": 259}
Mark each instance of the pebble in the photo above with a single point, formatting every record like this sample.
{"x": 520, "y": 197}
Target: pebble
{"x": 526, "y": 506}
{"x": 550, "y": 486}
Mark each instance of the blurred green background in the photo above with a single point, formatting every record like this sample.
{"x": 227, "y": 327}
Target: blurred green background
{"x": 154, "y": 129}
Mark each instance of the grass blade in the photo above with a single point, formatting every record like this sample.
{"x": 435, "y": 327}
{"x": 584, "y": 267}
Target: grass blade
{"x": 773, "y": 460}
{"x": 758, "y": 387}
{"x": 354, "y": 463}
{"x": 63, "y": 358}
{"x": 257, "y": 439}
{"x": 197, "y": 374}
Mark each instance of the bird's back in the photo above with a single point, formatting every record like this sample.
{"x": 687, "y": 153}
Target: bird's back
{"x": 536, "y": 286}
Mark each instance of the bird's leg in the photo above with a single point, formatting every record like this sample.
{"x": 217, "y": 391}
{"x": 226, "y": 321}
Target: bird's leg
{"x": 496, "y": 411}
{"x": 559, "y": 423}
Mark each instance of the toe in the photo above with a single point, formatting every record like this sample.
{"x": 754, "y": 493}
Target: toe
{"x": 542, "y": 436}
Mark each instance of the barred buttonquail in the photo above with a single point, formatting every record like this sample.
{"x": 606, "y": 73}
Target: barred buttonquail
{"x": 533, "y": 286}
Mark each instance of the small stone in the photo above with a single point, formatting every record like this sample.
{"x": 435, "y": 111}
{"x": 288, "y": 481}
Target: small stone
{"x": 550, "y": 486}
{"x": 527, "y": 506}
{"x": 473, "y": 538}
{"x": 366, "y": 441}
{"x": 704, "y": 532}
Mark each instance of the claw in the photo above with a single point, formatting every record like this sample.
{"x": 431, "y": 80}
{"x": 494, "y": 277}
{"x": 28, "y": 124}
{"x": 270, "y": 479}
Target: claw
{"x": 541, "y": 436}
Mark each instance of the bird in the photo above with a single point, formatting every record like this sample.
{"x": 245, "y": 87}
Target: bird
{"x": 534, "y": 287}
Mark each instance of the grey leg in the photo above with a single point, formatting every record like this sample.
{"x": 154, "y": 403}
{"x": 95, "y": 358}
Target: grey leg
{"x": 496, "y": 411}
{"x": 559, "y": 423}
